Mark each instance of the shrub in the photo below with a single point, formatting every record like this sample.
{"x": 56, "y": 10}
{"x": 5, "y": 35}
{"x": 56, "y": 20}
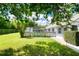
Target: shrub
{"x": 7, "y": 52}
{"x": 72, "y": 37}
{"x": 7, "y": 31}
{"x": 35, "y": 50}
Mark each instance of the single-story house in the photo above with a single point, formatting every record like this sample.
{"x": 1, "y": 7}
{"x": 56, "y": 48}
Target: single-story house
{"x": 75, "y": 22}
{"x": 56, "y": 30}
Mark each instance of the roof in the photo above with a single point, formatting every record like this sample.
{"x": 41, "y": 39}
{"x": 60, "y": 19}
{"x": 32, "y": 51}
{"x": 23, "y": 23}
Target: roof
{"x": 52, "y": 25}
{"x": 75, "y": 17}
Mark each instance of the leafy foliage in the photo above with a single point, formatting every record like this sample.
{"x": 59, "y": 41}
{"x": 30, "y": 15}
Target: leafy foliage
{"x": 7, "y": 31}
{"x": 61, "y": 12}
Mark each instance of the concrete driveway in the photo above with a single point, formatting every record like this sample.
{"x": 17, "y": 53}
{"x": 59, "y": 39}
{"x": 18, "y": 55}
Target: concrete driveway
{"x": 61, "y": 40}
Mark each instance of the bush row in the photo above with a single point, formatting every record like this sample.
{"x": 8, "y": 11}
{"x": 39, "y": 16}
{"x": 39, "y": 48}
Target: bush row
{"x": 7, "y": 31}
{"x": 40, "y": 49}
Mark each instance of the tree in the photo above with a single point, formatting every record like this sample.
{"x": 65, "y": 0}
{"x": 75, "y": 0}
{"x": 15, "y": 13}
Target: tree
{"x": 62, "y": 12}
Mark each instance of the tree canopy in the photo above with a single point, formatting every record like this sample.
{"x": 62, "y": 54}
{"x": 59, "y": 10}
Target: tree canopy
{"x": 62, "y": 12}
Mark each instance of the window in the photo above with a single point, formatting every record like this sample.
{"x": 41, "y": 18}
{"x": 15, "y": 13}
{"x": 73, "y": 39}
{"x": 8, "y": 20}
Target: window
{"x": 48, "y": 30}
{"x": 59, "y": 30}
{"x": 74, "y": 27}
{"x": 52, "y": 29}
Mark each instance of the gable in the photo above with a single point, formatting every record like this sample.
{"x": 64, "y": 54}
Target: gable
{"x": 75, "y": 19}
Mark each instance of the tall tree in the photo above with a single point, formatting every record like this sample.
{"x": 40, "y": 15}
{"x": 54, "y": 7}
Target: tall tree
{"x": 62, "y": 12}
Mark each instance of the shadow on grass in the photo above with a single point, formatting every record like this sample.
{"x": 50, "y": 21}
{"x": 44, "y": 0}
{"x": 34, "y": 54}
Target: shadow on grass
{"x": 7, "y": 33}
{"x": 40, "y": 49}
{"x": 7, "y": 52}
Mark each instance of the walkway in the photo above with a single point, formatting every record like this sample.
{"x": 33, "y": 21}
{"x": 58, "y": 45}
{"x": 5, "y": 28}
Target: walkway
{"x": 61, "y": 40}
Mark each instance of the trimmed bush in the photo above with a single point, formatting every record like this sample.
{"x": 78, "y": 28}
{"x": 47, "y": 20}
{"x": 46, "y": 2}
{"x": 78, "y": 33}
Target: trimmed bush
{"x": 72, "y": 37}
{"x": 7, "y": 31}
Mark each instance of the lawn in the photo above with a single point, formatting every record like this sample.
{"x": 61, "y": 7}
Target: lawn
{"x": 13, "y": 44}
{"x": 15, "y": 41}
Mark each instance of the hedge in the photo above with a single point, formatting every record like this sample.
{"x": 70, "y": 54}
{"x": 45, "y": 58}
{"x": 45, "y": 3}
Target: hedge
{"x": 72, "y": 37}
{"x": 7, "y": 31}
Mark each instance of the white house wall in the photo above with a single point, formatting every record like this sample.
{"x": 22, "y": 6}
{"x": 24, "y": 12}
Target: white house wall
{"x": 29, "y": 29}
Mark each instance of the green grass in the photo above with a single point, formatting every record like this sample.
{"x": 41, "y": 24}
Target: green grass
{"x": 13, "y": 44}
{"x": 15, "y": 41}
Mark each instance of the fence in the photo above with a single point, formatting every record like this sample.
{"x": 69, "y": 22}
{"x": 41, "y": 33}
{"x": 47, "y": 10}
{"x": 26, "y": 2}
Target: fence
{"x": 39, "y": 34}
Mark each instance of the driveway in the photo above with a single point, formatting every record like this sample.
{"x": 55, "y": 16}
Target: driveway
{"x": 61, "y": 40}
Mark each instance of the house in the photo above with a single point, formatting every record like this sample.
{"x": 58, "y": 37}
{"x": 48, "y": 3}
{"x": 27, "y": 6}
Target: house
{"x": 75, "y": 22}
{"x": 56, "y": 30}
